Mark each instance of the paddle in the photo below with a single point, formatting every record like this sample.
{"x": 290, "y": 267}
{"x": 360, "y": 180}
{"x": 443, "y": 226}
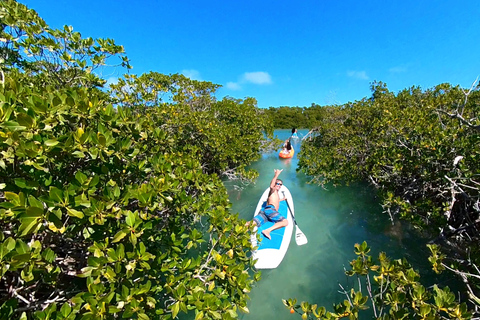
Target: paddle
{"x": 300, "y": 237}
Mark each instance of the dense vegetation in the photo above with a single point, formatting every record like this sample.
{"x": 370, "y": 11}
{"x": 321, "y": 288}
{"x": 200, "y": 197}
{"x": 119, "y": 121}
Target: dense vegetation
{"x": 421, "y": 150}
{"x": 289, "y": 117}
{"x": 111, "y": 203}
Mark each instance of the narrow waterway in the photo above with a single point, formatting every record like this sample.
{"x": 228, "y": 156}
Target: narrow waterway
{"x": 333, "y": 219}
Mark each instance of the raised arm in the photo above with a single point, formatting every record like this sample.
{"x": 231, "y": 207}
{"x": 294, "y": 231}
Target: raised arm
{"x": 275, "y": 176}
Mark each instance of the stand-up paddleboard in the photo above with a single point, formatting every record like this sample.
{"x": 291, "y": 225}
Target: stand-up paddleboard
{"x": 287, "y": 155}
{"x": 271, "y": 252}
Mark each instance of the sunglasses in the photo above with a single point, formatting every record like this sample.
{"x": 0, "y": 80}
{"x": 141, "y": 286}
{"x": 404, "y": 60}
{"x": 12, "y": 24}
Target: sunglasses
{"x": 278, "y": 184}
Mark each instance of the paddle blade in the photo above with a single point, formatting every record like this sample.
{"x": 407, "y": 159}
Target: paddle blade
{"x": 300, "y": 238}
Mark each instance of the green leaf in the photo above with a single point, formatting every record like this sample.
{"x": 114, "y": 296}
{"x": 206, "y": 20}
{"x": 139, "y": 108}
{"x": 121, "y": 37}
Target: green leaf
{"x": 35, "y": 202}
{"x": 120, "y": 235}
{"x": 51, "y": 142}
{"x": 13, "y": 198}
{"x": 78, "y": 154}
{"x": 81, "y": 177}
{"x": 18, "y": 260}
{"x": 142, "y": 316}
{"x": 65, "y": 309}
{"x": 34, "y": 212}
{"x": 9, "y": 244}
{"x": 120, "y": 252}
{"x": 13, "y": 126}
{"x": 113, "y": 309}
{"x": 48, "y": 181}
{"x": 75, "y": 213}
{"x": 82, "y": 200}
{"x": 112, "y": 254}
{"x": 199, "y": 316}
{"x": 244, "y": 309}
{"x": 24, "y": 120}
{"x": 86, "y": 272}
{"x": 29, "y": 220}
{"x": 20, "y": 183}
{"x": 232, "y": 314}
{"x": 49, "y": 255}
{"x": 56, "y": 194}
{"x": 130, "y": 220}
{"x": 6, "y": 247}
{"x": 8, "y": 307}
{"x": 175, "y": 309}
{"x": 116, "y": 191}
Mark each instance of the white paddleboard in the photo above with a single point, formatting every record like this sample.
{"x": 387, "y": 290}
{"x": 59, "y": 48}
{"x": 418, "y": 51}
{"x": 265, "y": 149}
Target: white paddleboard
{"x": 270, "y": 253}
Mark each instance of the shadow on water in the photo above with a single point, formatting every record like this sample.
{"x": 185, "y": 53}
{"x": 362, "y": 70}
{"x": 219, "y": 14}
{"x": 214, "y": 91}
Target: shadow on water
{"x": 333, "y": 219}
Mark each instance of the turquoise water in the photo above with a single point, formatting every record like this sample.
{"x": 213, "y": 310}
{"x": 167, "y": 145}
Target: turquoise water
{"x": 333, "y": 219}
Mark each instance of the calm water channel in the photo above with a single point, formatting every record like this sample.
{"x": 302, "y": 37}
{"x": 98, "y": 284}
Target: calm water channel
{"x": 333, "y": 219}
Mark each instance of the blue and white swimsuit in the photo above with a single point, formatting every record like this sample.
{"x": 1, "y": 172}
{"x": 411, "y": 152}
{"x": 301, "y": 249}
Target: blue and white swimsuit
{"x": 269, "y": 213}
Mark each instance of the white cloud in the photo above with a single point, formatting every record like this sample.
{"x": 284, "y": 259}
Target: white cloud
{"x": 258, "y": 77}
{"x": 111, "y": 80}
{"x": 362, "y": 75}
{"x": 192, "y": 74}
{"x": 233, "y": 86}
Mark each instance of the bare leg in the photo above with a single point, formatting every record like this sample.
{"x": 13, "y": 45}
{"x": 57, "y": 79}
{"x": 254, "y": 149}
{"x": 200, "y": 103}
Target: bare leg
{"x": 276, "y": 226}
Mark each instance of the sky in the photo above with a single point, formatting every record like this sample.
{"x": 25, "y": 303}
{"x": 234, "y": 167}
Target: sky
{"x": 287, "y": 53}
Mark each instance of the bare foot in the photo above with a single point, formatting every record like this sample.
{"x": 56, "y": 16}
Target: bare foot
{"x": 267, "y": 234}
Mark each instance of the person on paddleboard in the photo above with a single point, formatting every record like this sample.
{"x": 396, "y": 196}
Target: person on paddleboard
{"x": 294, "y": 133}
{"x": 270, "y": 212}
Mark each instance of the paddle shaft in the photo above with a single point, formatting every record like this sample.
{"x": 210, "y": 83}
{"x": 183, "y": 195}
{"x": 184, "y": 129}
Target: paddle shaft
{"x": 289, "y": 210}
{"x": 300, "y": 238}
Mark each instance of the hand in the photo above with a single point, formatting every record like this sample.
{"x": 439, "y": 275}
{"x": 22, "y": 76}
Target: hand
{"x": 278, "y": 171}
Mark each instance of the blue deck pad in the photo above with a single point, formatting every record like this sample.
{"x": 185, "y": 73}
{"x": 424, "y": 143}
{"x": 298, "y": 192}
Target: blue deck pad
{"x": 277, "y": 235}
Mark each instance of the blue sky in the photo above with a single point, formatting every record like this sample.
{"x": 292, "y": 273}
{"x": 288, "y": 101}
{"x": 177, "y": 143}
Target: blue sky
{"x": 288, "y": 53}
